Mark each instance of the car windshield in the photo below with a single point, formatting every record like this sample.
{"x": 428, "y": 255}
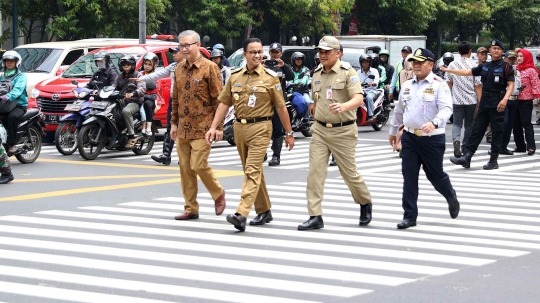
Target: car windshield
{"x": 236, "y": 59}
{"x": 38, "y": 60}
{"x": 85, "y": 67}
{"x": 351, "y": 55}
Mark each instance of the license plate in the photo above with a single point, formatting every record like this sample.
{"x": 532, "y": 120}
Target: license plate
{"x": 52, "y": 119}
{"x": 99, "y": 105}
{"x": 73, "y": 107}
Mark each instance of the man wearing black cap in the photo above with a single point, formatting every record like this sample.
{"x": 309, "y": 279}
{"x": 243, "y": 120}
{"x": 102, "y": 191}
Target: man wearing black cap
{"x": 424, "y": 105}
{"x": 497, "y": 79}
{"x": 285, "y": 73}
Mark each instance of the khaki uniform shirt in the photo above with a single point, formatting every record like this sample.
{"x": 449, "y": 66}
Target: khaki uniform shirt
{"x": 261, "y": 83}
{"x": 194, "y": 100}
{"x": 337, "y": 85}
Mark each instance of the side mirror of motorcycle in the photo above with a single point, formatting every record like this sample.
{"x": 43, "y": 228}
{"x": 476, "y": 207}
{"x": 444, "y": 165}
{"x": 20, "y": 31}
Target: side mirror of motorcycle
{"x": 132, "y": 86}
{"x": 74, "y": 82}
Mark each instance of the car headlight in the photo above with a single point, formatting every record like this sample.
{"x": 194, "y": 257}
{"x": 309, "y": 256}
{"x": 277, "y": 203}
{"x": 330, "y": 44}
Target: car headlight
{"x": 35, "y": 93}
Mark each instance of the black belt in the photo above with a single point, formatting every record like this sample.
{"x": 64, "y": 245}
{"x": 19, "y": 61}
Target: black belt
{"x": 491, "y": 94}
{"x": 336, "y": 124}
{"x": 254, "y": 120}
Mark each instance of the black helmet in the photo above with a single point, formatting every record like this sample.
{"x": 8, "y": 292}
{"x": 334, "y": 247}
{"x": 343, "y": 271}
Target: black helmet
{"x": 364, "y": 57}
{"x": 374, "y": 60}
{"x": 152, "y": 57}
{"x": 447, "y": 58}
{"x": 216, "y": 53}
{"x": 127, "y": 59}
{"x": 102, "y": 55}
{"x": 297, "y": 55}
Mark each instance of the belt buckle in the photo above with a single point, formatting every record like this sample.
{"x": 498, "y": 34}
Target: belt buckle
{"x": 243, "y": 121}
{"x": 328, "y": 124}
{"x": 418, "y": 132}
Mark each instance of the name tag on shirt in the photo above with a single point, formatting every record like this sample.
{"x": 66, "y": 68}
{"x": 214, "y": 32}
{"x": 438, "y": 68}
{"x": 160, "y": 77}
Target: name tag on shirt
{"x": 429, "y": 91}
{"x": 251, "y": 101}
{"x": 329, "y": 94}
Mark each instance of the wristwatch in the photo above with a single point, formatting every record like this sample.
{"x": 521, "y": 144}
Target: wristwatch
{"x": 435, "y": 124}
{"x": 291, "y": 133}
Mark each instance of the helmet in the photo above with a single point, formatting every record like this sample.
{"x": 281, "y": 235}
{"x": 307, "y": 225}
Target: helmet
{"x": 219, "y": 46}
{"x": 374, "y": 60}
{"x": 448, "y": 58}
{"x": 152, "y": 57}
{"x": 204, "y": 52}
{"x": 127, "y": 58}
{"x": 216, "y": 53}
{"x": 364, "y": 57}
{"x": 297, "y": 55}
{"x": 102, "y": 55}
{"x": 385, "y": 52}
{"x": 12, "y": 55}
{"x": 317, "y": 56}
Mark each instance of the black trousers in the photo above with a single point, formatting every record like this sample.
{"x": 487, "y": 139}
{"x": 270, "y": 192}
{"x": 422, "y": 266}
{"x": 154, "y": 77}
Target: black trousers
{"x": 510, "y": 116}
{"x": 523, "y": 122}
{"x": 11, "y": 123}
{"x": 149, "y": 106}
{"x": 484, "y": 117}
{"x": 277, "y": 134}
{"x": 428, "y": 152}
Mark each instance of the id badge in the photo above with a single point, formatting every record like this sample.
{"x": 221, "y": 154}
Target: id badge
{"x": 251, "y": 101}
{"x": 329, "y": 94}
{"x": 496, "y": 78}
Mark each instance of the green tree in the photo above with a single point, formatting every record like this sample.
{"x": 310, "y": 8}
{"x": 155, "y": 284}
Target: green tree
{"x": 33, "y": 16}
{"x": 517, "y": 22}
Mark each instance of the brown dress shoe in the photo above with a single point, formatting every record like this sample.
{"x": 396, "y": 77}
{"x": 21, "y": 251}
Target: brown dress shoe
{"x": 186, "y": 216}
{"x": 220, "y": 204}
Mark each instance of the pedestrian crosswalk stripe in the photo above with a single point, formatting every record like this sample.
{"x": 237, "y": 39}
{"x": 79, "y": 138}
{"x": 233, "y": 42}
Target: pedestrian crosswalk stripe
{"x": 132, "y": 285}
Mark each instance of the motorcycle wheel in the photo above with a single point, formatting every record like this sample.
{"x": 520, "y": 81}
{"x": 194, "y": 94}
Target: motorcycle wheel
{"x": 87, "y": 142}
{"x": 381, "y": 121}
{"x": 35, "y": 141}
{"x": 143, "y": 147}
{"x": 231, "y": 142}
{"x": 65, "y": 138}
{"x": 306, "y": 133}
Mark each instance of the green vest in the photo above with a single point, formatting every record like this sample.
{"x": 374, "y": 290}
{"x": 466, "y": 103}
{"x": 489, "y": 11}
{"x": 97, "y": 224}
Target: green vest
{"x": 399, "y": 67}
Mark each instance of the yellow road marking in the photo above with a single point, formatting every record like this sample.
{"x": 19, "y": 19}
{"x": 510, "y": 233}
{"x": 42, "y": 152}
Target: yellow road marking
{"x": 95, "y": 163}
{"x": 77, "y": 178}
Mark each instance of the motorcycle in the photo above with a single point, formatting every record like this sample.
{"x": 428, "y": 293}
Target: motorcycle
{"x": 65, "y": 137}
{"x": 106, "y": 128}
{"x": 298, "y": 122}
{"x": 29, "y": 132}
{"x": 228, "y": 131}
{"x": 380, "y": 113}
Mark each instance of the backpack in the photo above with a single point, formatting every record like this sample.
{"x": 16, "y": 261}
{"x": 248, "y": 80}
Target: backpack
{"x": 5, "y": 87}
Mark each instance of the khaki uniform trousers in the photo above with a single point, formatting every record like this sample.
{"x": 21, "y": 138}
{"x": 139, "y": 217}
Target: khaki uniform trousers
{"x": 252, "y": 141}
{"x": 341, "y": 142}
{"x": 193, "y": 156}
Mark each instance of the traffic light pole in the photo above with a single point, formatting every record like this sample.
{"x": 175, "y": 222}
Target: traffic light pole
{"x": 142, "y": 21}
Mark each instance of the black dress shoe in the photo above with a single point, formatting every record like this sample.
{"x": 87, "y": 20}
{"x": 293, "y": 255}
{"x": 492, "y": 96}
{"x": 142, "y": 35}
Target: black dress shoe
{"x": 162, "y": 159}
{"x": 488, "y": 139}
{"x": 5, "y": 179}
{"x": 314, "y": 222}
{"x": 238, "y": 221}
{"x": 274, "y": 161}
{"x": 365, "y": 214}
{"x": 406, "y": 224}
{"x": 453, "y": 207}
{"x": 505, "y": 152}
{"x": 262, "y": 219}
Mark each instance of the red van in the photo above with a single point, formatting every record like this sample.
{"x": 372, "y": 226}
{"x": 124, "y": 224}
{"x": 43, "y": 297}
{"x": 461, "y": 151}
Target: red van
{"x": 52, "y": 95}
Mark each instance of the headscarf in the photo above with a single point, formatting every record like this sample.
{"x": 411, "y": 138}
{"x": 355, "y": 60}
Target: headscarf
{"x": 407, "y": 72}
{"x": 527, "y": 61}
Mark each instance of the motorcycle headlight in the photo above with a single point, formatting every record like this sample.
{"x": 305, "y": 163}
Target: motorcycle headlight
{"x": 35, "y": 93}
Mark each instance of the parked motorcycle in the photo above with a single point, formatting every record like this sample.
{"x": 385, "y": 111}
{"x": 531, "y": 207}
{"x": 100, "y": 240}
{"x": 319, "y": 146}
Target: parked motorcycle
{"x": 106, "y": 128}
{"x": 65, "y": 137}
{"x": 29, "y": 132}
{"x": 380, "y": 113}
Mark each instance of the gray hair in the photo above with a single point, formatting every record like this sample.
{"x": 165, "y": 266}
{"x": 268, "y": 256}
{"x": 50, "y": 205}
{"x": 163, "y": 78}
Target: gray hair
{"x": 191, "y": 33}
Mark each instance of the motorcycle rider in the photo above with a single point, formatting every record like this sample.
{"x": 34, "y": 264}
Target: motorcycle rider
{"x": 134, "y": 99}
{"x": 285, "y": 73}
{"x": 447, "y": 59}
{"x": 152, "y": 98}
{"x": 222, "y": 49}
{"x": 105, "y": 74}
{"x": 384, "y": 56}
{"x": 217, "y": 57}
{"x": 372, "y": 84}
{"x": 301, "y": 79}
{"x": 11, "y": 60}
{"x": 376, "y": 64}
{"x": 317, "y": 62}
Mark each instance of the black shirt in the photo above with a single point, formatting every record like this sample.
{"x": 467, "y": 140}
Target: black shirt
{"x": 494, "y": 76}
{"x": 107, "y": 76}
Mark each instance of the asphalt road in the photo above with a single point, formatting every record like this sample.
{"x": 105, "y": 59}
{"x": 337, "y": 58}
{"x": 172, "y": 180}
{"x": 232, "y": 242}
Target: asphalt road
{"x": 103, "y": 231}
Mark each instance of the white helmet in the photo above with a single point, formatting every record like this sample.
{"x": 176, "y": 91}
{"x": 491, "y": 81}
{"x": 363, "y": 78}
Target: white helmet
{"x": 3, "y": 134}
{"x": 12, "y": 55}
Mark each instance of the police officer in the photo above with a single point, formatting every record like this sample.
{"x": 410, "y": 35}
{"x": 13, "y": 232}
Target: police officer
{"x": 424, "y": 105}
{"x": 497, "y": 79}
{"x": 337, "y": 94}
{"x": 285, "y": 73}
{"x": 254, "y": 91}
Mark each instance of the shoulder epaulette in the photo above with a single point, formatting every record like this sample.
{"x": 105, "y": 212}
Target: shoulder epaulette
{"x": 236, "y": 70}
{"x": 271, "y": 72}
{"x": 318, "y": 68}
{"x": 345, "y": 65}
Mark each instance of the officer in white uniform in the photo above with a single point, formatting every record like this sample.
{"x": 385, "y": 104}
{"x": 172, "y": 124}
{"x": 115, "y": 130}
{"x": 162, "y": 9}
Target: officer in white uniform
{"x": 424, "y": 106}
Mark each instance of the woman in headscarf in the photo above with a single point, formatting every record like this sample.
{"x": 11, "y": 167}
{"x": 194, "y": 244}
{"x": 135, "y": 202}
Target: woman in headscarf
{"x": 530, "y": 89}
{"x": 407, "y": 71}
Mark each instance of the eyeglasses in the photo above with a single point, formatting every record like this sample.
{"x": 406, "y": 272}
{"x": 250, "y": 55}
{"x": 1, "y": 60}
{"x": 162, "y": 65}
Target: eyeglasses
{"x": 253, "y": 53}
{"x": 186, "y": 46}
{"x": 125, "y": 63}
